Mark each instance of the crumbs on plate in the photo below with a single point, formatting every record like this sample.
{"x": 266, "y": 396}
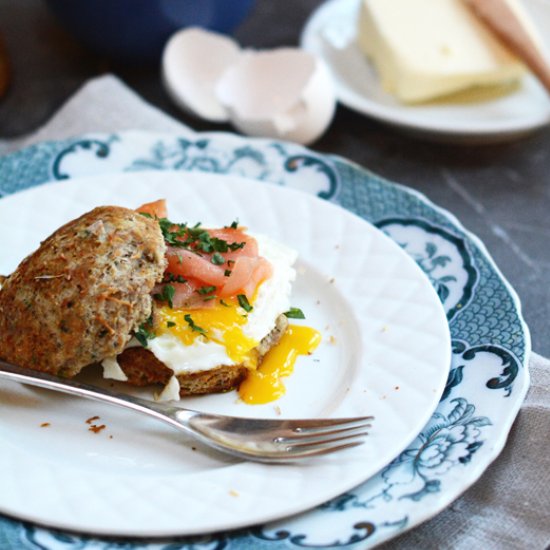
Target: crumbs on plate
{"x": 95, "y": 428}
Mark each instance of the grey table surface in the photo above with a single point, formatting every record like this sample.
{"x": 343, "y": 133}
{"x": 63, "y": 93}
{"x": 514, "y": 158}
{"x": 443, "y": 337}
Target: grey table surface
{"x": 500, "y": 192}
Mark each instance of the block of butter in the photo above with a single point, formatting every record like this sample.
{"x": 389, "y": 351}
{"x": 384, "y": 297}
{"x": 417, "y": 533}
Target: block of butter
{"x": 424, "y": 49}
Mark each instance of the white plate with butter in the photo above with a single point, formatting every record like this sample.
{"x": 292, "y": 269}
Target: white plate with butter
{"x": 503, "y": 113}
{"x": 386, "y": 351}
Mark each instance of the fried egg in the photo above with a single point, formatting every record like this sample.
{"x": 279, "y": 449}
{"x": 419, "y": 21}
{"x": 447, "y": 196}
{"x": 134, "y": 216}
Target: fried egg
{"x": 200, "y": 333}
{"x": 225, "y": 334}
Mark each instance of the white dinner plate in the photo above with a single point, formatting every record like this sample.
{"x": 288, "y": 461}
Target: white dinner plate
{"x": 331, "y": 34}
{"x": 385, "y": 351}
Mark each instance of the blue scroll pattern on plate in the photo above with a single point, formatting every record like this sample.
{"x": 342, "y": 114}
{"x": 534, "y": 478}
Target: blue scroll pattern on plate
{"x": 489, "y": 341}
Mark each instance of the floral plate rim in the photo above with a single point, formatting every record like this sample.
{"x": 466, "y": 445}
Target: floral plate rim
{"x": 209, "y": 151}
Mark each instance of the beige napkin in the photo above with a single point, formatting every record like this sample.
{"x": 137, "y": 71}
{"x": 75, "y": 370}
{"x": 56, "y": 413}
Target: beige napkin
{"x": 509, "y": 507}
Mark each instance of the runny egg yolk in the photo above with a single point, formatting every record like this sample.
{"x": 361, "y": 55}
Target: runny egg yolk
{"x": 265, "y": 384}
{"x": 222, "y": 324}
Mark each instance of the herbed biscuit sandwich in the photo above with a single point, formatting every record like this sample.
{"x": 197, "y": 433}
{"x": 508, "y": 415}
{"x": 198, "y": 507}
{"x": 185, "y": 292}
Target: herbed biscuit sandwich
{"x": 193, "y": 310}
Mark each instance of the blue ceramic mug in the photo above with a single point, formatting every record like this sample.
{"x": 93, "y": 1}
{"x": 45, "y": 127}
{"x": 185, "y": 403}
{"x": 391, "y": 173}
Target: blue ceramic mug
{"x": 136, "y": 30}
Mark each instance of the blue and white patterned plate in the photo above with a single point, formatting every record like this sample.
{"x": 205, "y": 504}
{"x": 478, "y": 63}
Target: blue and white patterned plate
{"x": 491, "y": 345}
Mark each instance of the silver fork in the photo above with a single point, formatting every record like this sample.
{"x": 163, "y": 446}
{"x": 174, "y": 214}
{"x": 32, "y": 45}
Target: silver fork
{"x": 260, "y": 440}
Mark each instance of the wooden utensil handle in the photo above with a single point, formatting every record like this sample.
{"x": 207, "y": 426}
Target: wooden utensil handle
{"x": 503, "y": 21}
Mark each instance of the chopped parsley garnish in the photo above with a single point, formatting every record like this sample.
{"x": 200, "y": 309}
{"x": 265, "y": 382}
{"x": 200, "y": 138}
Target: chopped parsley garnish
{"x": 192, "y": 325}
{"x": 144, "y": 332}
{"x": 196, "y": 238}
{"x": 206, "y": 289}
{"x": 219, "y": 245}
{"x": 217, "y": 259}
{"x": 224, "y": 303}
{"x": 295, "y": 313}
{"x": 171, "y": 278}
{"x": 167, "y": 295}
{"x": 227, "y": 273}
{"x": 170, "y": 324}
{"x": 244, "y": 303}
{"x": 172, "y": 232}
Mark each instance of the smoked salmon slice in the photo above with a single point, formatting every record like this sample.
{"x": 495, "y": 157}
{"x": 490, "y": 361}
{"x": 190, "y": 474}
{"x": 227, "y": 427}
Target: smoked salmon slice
{"x": 202, "y": 263}
{"x": 190, "y": 264}
{"x": 157, "y": 209}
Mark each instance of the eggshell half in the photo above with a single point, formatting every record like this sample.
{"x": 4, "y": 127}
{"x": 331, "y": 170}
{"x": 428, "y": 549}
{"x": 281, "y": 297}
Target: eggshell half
{"x": 285, "y": 93}
{"x": 192, "y": 63}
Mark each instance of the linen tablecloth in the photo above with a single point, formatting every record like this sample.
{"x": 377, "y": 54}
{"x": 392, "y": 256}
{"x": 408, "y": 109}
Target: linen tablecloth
{"x": 509, "y": 507}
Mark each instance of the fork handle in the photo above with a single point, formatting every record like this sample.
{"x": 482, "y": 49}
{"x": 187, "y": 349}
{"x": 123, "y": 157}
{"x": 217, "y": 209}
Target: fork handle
{"x": 261, "y": 440}
{"x": 203, "y": 427}
{"x": 160, "y": 411}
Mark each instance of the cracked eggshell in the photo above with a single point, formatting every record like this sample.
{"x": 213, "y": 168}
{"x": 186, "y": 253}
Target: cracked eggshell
{"x": 192, "y": 63}
{"x": 285, "y": 93}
